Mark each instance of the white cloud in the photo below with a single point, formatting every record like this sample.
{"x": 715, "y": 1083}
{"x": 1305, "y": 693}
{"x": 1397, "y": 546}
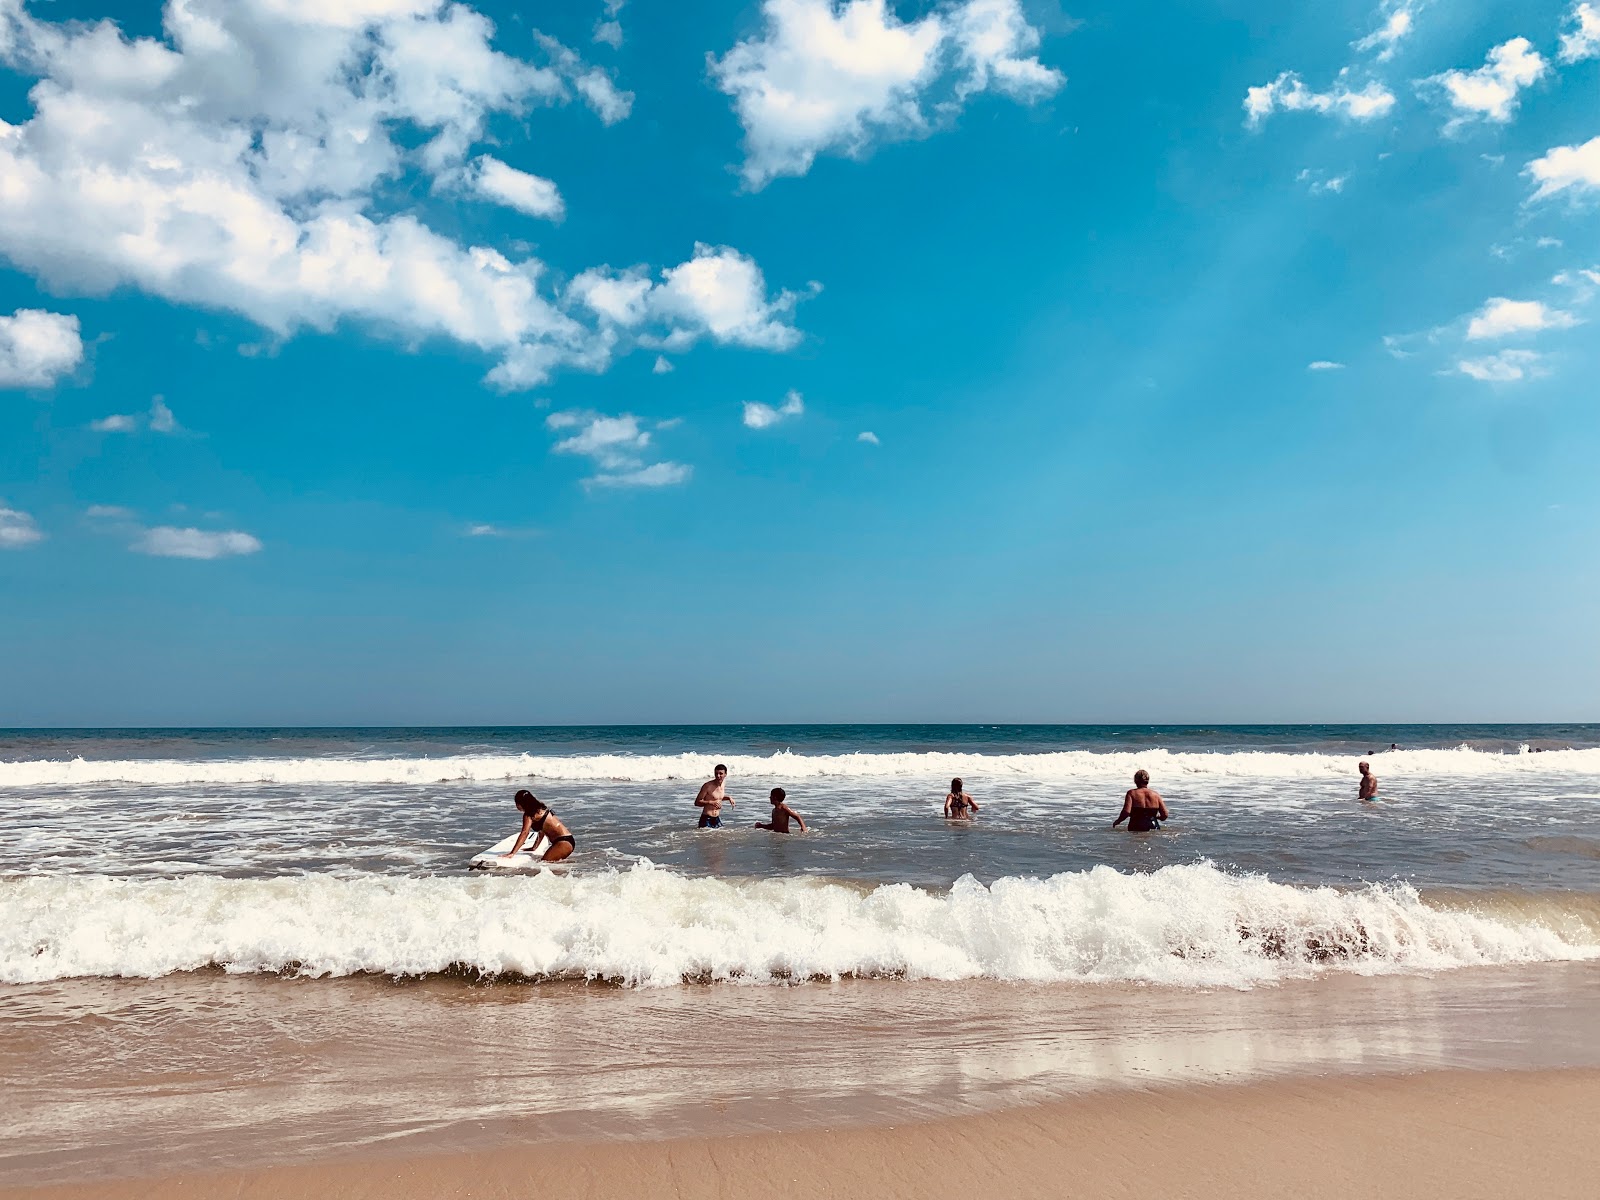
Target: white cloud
{"x": 108, "y": 512}
{"x": 1508, "y": 366}
{"x": 18, "y": 529}
{"x": 159, "y": 420}
{"x": 839, "y": 76}
{"x": 1398, "y": 21}
{"x": 1549, "y": 243}
{"x": 167, "y": 541}
{"x": 663, "y": 364}
{"x": 618, "y": 447}
{"x": 1490, "y": 92}
{"x": 1318, "y": 182}
{"x": 1578, "y": 278}
{"x": 762, "y": 416}
{"x": 867, "y": 436}
{"x": 1287, "y": 93}
{"x": 36, "y": 347}
{"x": 1323, "y": 364}
{"x": 718, "y": 293}
{"x": 486, "y": 530}
{"x": 503, "y": 184}
{"x": 1564, "y": 167}
{"x": 1500, "y": 318}
{"x": 1583, "y": 40}
{"x": 608, "y": 31}
{"x": 259, "y": 157}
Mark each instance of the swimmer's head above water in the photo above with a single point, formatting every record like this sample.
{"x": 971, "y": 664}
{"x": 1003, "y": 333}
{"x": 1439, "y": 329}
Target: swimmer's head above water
{"x": 956, "y": 785}
{"x": 1141, "y": 778}
{"x": 529, "y": 803}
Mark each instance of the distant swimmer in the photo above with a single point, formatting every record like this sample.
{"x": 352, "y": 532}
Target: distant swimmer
{"x": 782, "y": 814}
{"x": 711, "y": 799}
{"x": 1142, "y": 806}
{"x": 1369, "y": 783}
{"x": 958, "y": 806}
{"x": 538, "y": 819}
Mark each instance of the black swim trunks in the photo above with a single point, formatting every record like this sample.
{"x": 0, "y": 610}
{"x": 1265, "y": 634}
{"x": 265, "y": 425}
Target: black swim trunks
{"x": 707, "y": 821}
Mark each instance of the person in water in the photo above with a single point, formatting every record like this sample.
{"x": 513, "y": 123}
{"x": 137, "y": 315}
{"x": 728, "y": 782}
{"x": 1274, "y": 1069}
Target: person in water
{"x": 1142, "y": 806}
{"x": 711, "y": 798}
{"x": 1369, "y": 783}
{"x": 782, "y": 814}
{"x": 539, "y": 820}
{"x": 958, "y": 806}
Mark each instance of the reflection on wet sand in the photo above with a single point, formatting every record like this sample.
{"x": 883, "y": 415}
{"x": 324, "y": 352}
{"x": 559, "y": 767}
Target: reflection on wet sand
{"x": 108, "y": 1077}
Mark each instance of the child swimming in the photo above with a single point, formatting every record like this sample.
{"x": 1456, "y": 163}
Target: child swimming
{"x": 781, "y": 814}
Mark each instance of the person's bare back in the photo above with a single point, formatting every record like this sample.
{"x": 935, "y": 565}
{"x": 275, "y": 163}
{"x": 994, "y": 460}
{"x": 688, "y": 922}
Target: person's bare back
{"x": 782, "y": 814}
{"x": 1142, "y": 806}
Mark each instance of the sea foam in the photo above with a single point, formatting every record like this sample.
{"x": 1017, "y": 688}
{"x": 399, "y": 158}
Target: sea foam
{"x": 1191, "y": 925}
{"x": 1063, "y": 766}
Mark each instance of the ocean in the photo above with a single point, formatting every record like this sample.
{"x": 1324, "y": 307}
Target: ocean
{"x": 233, "y": 906}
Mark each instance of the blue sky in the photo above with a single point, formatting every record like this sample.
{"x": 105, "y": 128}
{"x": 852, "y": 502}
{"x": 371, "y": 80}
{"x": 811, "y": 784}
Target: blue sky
{"x": 384, "y": 361}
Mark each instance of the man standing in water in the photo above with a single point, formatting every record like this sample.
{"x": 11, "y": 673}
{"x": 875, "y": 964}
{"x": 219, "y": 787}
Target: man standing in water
{"x": 711, "y": 799}
{"x": 1369, "y": 783}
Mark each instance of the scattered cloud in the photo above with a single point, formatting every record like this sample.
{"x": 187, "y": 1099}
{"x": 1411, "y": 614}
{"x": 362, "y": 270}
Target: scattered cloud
{"x": 867, "y": 436}
{"x": 608, "y": 30}
{"x": 158, "y": 420}
{"x": 1564, "y": 167}
{"x": 531, "y": 195}
{"x": 168, "y": 541}
{"x": 1508, "y": 366}
{"x": 763, "y": 416}
{"x": 1579, "y": 278}
{"x": 1323, "y": 364}
{"x": 1398, "y": 21}
{"x": 109, "y": 512}
{"x": 1319, "y": 182}
{"x": 259, "y": 157}
{"x": 663, "y": 364}
{"x": 18, "y": 530}
{"x": 618, "y": 447}
{"x": 1287, "y": 93}
{"x": 499, "y": 531}
{"x": 840, "y": 76}
{"x": 36, "y": 347}
{"x": 1500, "y": 318}
{"x": 1582, "y": 40}
{"x": 1490, "y": 92}
{"x": 1549, "y": 243}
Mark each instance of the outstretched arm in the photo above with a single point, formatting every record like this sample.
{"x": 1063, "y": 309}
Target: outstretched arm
{"x": 527, "y": 824}
{"x": 796, "y": 816}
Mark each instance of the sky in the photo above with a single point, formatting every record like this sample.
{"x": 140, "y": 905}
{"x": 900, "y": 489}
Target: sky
{"x": 398, "y": 362}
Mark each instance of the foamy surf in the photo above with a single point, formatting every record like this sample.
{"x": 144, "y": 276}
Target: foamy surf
{"x": 1192, "y": 925}
{"x": 1064, "y": 766}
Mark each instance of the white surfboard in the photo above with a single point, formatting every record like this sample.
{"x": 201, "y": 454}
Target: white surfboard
{"x": 490, "y": 860}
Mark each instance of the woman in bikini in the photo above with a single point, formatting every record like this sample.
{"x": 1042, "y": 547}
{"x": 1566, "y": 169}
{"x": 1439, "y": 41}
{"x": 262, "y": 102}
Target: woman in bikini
{"x": 538, "y": 819}
{"x": 958, "y": 806}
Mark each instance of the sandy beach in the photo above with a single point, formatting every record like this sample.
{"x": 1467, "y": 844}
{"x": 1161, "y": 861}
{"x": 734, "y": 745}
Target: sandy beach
{"x": 1455, "y": 1134}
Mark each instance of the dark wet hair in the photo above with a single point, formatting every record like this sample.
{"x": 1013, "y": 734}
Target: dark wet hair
{"x": 719, "y": 767}
{"x": 956, "y": 785}
{"x": 779, "y": 795}
{"x": 1141, "y": 779}
{"x": 529, "y": 803}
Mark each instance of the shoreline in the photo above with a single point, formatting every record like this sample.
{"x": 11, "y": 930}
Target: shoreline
{"x": 1462, "y": 1134}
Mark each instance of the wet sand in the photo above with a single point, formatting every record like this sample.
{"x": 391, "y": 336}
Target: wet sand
{"x": 208, "y": 1072}
{"x": 1457, "y": 1134}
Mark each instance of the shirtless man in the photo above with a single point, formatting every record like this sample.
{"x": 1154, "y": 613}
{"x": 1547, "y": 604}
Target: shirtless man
{"x": 781, "y": 814}
{"x": 712, "y": 798}
{"x": 1142, "y": 806}
{"x": 1369, "y": 783}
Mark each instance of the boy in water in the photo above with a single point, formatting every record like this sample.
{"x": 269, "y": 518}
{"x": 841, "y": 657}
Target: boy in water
{"x": 711, "y": 798}
{"x": 781, "y": 814}
{"x": 1369, "y": 783}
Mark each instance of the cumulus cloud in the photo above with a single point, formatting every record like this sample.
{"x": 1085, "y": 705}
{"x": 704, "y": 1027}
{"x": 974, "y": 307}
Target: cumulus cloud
{"x": 258, "y": 157}
{"x": 1508, "y": 366}
{"x": 503, "y": 184}
{"x": 1500, "y": 318}
{"x": 840, "y": 76}
{"x": 662, "y": 365}
{"x": 1490, "y": 92}
{"x": 763, "y": 416}
{"x": 1288, "y": 93}
{"x": 1323, "y": 364}
{"x": 1398, "y": 21}
{"x": 18, "y": 529}
{"x": 167, "y": 541}
{"x": 1582, "y": 40}
{"x": 867, "y": 436}
{"x": 608, "y": 31}
{"x": 1564, "y": 167}
{"x": 618, "y": 447}
{"x": 37, "y": 347}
